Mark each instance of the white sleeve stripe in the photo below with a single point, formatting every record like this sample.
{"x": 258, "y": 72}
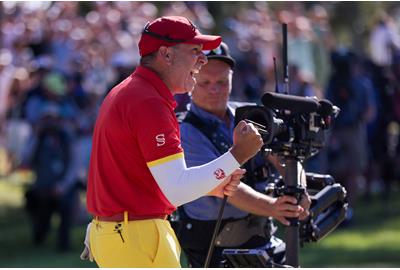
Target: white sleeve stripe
{"x": 181, "y": 185}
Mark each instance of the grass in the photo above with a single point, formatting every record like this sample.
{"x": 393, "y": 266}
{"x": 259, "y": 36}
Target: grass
{"x": 16, "y": 248}
{"x": 373, "y": 240}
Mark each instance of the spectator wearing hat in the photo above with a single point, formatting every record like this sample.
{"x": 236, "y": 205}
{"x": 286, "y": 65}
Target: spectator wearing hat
{"x": 210, "y": 123}
{"x": 51, "y": 90}
{"x": 51, "y": 155}
{"x": 137, "y": 173}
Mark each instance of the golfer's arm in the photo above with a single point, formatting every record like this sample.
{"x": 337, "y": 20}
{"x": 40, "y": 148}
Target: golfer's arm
{"x": 181, "y": 185}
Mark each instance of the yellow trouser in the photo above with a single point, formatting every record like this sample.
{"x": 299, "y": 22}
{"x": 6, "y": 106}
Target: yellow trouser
{"x": 140, "y": 243}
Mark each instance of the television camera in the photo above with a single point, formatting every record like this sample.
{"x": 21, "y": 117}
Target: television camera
{"x": 295, "y": 129}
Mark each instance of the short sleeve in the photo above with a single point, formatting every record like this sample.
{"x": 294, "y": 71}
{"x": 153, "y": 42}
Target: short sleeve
{"x": 156, "y": 130}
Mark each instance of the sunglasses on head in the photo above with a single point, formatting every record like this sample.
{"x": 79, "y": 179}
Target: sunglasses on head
{"x": 165, "y": 38}
{"x": 216, "y": 51}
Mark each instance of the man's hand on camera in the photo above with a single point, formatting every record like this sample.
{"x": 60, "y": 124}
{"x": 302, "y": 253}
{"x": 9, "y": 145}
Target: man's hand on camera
{"x": 247, "y": 141}
{"x": 286, "y": 207}
{"x": 305, "y": 203}
{"x": 229, "y": 186}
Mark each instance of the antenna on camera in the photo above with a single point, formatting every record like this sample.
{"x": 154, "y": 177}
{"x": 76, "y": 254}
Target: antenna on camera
{"x": 285, "y": 60}
{"x": 276, "y": 76}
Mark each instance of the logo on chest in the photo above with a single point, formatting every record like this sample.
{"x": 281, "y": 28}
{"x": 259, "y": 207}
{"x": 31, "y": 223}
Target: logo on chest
{"x": 160, "y": 139}
{"x": 219, "y": 174}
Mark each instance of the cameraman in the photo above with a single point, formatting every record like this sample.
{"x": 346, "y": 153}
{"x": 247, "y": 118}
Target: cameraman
{"x": 210, "y": 110}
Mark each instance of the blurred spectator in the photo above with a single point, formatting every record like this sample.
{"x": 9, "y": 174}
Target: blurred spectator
{"x": 253, "y": 42}
{"x": 388, "y": 162}
{"x": 13, "y": 82}
{"x": 384, "y": 41}
{"x": 384, "y": 45}
{"x": 7, "y": 71}
{"x": 53, "y": 89}
{"x": 51, "y": 156}
{"x": 300, "y": 45}
{"x": 300, "y": 84}
{"x": 6, "y": 79}
{"x": 349, "y": 90}
{"x": 323, "y": 43}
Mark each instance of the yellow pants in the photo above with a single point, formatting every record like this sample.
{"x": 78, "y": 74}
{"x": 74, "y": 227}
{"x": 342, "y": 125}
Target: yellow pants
{"x": 141, "y": 243}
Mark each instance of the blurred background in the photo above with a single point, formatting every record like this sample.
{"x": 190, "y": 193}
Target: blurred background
{"x": 59, "y": 59}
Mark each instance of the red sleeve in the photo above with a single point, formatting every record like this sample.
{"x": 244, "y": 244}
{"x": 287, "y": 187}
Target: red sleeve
{"x": 157, "y": 130}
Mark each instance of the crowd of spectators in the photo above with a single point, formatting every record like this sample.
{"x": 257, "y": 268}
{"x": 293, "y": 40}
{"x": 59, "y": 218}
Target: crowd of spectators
{"x": 59, "y": 59}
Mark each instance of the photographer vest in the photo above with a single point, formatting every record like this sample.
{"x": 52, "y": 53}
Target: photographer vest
{"x": 209, "y": 130}
{"x": 234, "y": 232}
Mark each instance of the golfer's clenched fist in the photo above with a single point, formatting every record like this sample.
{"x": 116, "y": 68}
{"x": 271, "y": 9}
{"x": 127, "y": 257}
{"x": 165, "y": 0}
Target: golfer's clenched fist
{"x": 246, "y": 142}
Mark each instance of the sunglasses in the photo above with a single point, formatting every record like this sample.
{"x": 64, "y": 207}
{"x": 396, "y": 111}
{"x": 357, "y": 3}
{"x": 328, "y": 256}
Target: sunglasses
{"x": 216, "y": 51}
{"x": 165, "y": 38}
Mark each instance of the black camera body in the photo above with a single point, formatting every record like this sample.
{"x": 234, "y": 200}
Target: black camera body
{"x": 289, "y": 125}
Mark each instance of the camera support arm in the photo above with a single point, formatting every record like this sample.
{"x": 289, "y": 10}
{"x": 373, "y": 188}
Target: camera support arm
{"x": 293, "y": 188}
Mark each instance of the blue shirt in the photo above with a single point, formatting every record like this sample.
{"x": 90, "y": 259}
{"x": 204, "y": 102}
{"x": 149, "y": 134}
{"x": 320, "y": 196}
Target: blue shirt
{"x": 199, "y": 150}
{"x": 353, "y": 97}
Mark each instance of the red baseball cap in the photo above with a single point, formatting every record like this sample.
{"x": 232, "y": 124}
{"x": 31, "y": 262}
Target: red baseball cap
{"x": 172, "y": 30}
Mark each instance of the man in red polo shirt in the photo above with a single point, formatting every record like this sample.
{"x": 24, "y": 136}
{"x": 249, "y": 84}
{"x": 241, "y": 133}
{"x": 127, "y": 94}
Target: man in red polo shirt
{"x": 137, "y": 173}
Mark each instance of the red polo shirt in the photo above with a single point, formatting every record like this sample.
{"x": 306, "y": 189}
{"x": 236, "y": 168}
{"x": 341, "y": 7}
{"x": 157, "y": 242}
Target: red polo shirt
{"x": 136, "y": 124}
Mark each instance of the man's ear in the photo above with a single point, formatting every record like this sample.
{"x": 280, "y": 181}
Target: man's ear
{"x": 166, "y": 54}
